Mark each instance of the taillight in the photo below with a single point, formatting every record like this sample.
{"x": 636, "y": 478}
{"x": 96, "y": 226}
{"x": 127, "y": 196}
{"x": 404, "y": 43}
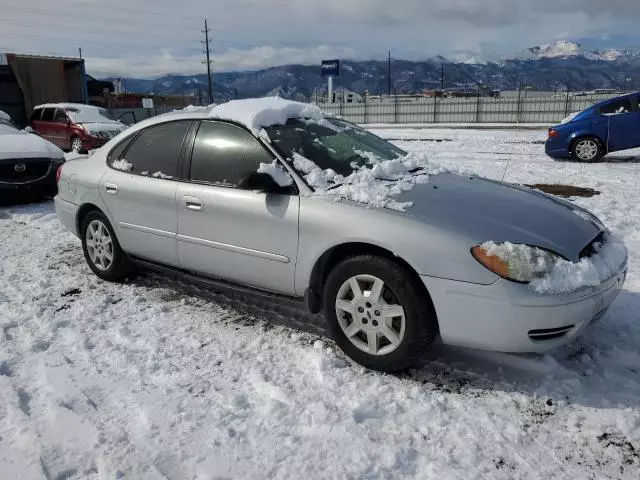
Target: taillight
{"x": 553, "y": 133}
{"x": 58, "y": 173}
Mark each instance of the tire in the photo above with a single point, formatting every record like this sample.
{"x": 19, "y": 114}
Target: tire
{"x": 399, "y": 341}
{"x": 587, "y": 149}
{"x": 76, "y": 145}
{"x": 94, "y": 231}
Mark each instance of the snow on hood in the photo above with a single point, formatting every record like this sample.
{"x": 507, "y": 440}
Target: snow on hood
{"x": 104, "y": 126}
{"x": 257, "y": 113}
{"x": 375, "y": 184}
{"x": 20, "y": 144}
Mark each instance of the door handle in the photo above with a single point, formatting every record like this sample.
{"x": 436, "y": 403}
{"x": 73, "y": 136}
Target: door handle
{"x": 111, "y": 188}
{"x": 193, "y": 203}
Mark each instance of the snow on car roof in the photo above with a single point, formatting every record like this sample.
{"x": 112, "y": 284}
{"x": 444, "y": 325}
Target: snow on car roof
{"x": 258, "y": 113}
{"x": 4, "y": 116}
{"x": 79, "y": 106}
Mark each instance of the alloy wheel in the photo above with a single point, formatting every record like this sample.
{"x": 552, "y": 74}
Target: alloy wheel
{"x": 76, "y": 145}
{"x": 370, "y": 315}
{"x": 99, "y": 245}
{"x": 587, "y": 149}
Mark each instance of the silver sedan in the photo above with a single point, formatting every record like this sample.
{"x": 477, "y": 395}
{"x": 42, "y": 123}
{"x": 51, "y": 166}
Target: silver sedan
{"x": 286, "y": 206}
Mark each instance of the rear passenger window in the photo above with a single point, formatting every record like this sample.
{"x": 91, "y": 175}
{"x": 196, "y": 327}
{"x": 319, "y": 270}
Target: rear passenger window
{"x": 60, "y": 116}
{"x": 616, "y": 108}
{"x": 224, "y": 153}
{"x": 154, "y": 152}
{"x": 35, "y": 116}
{"x": 47, "y": 114}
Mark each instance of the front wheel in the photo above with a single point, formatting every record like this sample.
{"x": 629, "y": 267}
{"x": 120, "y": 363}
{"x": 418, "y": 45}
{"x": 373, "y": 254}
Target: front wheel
{"x": 588, "y": 149}
{"x": 102, "y": 250}
{"x": 378, "y": 315}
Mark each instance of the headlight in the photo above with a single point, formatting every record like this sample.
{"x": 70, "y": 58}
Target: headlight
{"x": 516, "y": 262}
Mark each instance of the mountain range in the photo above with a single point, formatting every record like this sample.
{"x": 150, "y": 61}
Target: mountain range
{"x": 555, "y": 66}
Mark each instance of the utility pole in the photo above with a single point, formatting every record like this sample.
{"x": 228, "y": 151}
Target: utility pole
{"x": 207, "y": 43}
{"x": 80, "y": 52}
{"x": 442, "y": 78}
{"x": 389, "y": 75}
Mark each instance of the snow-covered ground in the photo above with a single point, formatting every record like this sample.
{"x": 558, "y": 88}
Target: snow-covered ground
{"x": 157, "y": 379}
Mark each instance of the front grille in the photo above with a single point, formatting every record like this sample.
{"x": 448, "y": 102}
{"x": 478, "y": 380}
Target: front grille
{"x": 546, "y": 334}
{"x": 34, "y": 169}
{"x": 590, "y": 249}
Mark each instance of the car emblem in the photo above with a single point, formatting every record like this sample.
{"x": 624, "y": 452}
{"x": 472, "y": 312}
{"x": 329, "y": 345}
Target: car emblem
{"x": 19, "y": 167}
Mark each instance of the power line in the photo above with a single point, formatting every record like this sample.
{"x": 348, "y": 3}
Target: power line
{"x": 207, "y": 43}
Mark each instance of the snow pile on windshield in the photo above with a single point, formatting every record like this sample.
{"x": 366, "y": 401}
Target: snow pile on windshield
{"x": 375, "y": 184}
{"x": 122, "y": 165}
{"x": 557, "y": 275}
{"x": 256, "y": 113}
{"x": 277, "y": 172}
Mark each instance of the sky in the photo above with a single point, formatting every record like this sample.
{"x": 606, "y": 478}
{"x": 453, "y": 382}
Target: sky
{"x": 150, "y": 38}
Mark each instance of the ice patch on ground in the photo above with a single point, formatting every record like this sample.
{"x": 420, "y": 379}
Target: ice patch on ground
{"x": 275, "y": 171}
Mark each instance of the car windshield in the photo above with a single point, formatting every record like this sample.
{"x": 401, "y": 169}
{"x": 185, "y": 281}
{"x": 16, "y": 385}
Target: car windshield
{"x": 89, "y": 115}
{"x": 331, "y": 144}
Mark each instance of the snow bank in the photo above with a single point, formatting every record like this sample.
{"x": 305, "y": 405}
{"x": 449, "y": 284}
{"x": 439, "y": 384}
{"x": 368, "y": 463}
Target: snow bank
{"x": 122, "y": 165}
{"x": 556, "y": 275}
{"x": 275, "y": 171}
{"x": 376, "y": 184}
{"x": 256, "y": 113}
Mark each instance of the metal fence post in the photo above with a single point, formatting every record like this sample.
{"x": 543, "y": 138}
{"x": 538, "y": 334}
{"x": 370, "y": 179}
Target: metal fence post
{"x": 519, "y": 114}
{"x": 435, "y": 106}
{"x": 340, "y": 107}
{"x": 395, "y": 107}
{"x": 566, "y": 104}
{"x": 365, "y": 110}
{"x": 478, "y": 109}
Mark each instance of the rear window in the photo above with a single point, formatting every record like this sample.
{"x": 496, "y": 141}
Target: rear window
{"x": 36, "y": 115}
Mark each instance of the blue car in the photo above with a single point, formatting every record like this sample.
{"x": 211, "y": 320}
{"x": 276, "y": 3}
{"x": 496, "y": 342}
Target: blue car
{"x": 605, "y": 127}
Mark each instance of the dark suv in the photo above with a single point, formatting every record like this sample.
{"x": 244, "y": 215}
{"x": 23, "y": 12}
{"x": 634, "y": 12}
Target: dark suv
{"x": 74, "y": 126}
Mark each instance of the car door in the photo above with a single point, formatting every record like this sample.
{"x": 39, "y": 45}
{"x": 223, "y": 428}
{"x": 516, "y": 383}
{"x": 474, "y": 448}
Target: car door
{"x": 228, "y": 232}
{"x": 139, "y": 189}
{"x": 622, "y": 123}
{"x": 60, "y": 129}
{"x": 44, "y": 125}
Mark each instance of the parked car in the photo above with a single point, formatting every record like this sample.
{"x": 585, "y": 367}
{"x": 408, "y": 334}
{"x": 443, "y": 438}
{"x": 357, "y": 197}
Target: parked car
{"x": 606, "y": 127}
{"x": 28, "y": 163}
{"x": 181, "y": 193}
{"x": 74, "y": 126}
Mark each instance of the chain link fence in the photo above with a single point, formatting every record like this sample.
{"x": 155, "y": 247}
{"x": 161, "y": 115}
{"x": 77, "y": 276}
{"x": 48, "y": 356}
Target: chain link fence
{"x": 518, "y": 109}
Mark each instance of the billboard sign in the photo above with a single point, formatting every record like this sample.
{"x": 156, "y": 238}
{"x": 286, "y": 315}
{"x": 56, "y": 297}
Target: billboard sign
{"x": 3, "y": 59}
{"x": 330, "y": 68}
{"x": 147, "y": 103}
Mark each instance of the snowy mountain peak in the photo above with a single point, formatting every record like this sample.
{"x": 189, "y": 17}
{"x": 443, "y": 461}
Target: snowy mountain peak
{"x": 561, "y": 48}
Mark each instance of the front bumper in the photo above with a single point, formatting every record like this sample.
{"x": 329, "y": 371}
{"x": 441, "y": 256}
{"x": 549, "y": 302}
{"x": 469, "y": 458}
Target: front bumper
{"x": 509, "y": 317}
{"x": 42, "y": 187}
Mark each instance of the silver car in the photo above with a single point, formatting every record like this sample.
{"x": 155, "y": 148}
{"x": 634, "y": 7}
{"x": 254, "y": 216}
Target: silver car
{"x": 183, "y": 192}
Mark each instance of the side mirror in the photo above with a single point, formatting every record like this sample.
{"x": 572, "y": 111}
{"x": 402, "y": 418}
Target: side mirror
{"x": 261, "y": 182}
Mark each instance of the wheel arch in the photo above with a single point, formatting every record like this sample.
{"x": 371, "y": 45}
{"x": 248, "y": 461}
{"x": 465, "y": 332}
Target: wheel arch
{"x": 82, "y": 213}
{"x": 334, "y": 255}
{"x": 580, "y": 135}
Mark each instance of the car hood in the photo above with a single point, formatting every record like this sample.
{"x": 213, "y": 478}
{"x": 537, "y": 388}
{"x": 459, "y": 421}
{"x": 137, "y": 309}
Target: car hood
{"x": 485, "y": 210}
{"x": 20, "y": 144}
{"x": 104, "y": 126}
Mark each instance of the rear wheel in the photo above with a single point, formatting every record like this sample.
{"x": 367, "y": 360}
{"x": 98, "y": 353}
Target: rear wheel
{"x": 102, "y": 250}
{"x": 76, "y": 145}
{"x": 378, "y": 315}
{"x": 588, "y": 149}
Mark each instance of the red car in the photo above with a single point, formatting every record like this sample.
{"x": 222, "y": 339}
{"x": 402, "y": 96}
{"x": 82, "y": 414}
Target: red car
{"x": 74, "y": 126}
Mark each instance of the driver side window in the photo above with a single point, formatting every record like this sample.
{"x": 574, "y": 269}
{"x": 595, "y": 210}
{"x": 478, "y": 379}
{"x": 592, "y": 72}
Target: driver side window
{"x": 223, "y": 154}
